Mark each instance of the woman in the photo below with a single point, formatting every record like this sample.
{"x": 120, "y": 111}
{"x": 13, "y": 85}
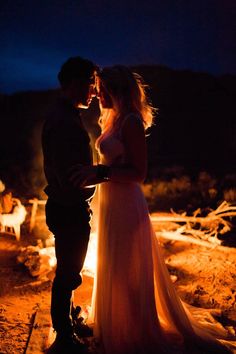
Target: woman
{"x": 135, "y": 308}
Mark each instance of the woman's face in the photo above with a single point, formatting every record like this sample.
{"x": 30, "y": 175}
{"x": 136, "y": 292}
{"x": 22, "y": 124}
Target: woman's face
{"x": 103, "y": 95}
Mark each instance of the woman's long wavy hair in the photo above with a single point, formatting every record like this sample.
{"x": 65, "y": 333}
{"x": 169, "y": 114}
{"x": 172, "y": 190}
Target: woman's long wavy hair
{"x": 127, "y": 92}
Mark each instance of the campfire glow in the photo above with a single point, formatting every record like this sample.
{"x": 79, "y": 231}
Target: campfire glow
{"x": 167, "y": 226}
{"x": 90, "y": 262}
{"x": 48, "y": 253}
{"x": 41, "y": 261}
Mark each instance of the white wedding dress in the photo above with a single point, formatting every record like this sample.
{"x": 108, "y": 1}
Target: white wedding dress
{"x": 135, "y": 307}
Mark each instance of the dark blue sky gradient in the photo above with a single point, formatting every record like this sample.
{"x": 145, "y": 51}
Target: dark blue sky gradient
{"x": 37, "y": 36}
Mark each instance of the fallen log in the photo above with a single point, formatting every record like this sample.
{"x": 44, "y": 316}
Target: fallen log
{"x": 198, "y": 229}
{"x": 175, "y": 236}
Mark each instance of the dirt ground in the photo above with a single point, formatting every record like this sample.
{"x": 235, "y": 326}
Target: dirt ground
{"x": 203, "y": 277}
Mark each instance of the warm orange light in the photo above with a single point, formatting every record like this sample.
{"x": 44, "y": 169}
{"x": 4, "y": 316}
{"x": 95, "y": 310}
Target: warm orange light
{"x": 90, "y": 262}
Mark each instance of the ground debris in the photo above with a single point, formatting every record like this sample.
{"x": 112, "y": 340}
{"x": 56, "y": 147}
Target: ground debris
{"x": 39, "y": 261}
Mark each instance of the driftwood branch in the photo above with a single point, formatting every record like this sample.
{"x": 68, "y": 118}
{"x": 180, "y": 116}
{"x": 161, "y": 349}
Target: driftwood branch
{"x": 175, "y": 236}
{"x": 225, "y": 209}
{"x": 197, "y": 229}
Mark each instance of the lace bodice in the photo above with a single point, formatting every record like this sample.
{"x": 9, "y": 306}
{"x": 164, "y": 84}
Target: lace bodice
{"x": 111, "y": 148}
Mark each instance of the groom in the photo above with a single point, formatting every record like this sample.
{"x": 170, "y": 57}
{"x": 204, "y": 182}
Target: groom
{"x": 65, "y": 144}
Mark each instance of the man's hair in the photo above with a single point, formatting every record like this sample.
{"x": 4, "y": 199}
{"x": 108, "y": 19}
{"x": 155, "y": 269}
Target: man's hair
{"x": 75, "y": 68}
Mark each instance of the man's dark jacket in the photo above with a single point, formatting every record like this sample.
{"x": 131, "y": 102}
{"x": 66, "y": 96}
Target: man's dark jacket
{"x": 65, "y": 143}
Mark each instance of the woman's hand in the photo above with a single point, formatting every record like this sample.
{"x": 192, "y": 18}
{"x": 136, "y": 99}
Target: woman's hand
{"x": 82, "y": 176}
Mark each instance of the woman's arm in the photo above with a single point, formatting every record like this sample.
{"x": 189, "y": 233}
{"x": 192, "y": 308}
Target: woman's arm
{"x": 135, "y": 170}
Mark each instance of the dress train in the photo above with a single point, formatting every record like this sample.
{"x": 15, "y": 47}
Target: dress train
{"x": 135, "y": 307}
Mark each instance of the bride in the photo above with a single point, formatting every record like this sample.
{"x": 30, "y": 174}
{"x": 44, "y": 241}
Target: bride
{"x": 135, "y": 307}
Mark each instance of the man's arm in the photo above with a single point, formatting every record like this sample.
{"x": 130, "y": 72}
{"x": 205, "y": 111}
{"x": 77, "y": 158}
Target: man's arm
{"x": 71, "y": 147}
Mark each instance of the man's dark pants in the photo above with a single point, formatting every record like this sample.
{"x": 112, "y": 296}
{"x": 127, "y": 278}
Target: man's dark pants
{"x": 71, "y": 228}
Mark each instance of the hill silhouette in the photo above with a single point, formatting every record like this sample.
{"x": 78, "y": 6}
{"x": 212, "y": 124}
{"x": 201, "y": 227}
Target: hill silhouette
{"x": 195, "y": 126}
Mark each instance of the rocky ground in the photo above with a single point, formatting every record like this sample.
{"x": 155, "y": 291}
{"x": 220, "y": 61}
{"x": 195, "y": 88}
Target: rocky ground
{"x": 203, "y": 277}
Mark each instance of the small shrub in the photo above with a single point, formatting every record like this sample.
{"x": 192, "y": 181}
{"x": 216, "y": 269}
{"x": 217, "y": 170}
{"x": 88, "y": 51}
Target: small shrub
{"x": 230, "y": 195}
{"x": 182, "y": 192}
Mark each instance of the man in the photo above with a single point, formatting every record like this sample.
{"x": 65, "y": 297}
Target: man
{"x": 65, "y": 144}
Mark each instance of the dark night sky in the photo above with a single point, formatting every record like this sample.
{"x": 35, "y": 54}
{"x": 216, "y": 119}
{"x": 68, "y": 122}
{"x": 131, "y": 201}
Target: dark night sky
{"x": 37, "y": 36}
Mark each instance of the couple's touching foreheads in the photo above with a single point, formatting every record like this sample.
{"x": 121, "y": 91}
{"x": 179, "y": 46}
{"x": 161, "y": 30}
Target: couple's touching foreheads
{"x": 135, "y": 308}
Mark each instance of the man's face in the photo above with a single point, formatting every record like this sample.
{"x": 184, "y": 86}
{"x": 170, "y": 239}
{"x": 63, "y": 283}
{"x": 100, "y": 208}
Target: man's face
{"x": 84, "y": 92}
{"x": 103, "y": 95}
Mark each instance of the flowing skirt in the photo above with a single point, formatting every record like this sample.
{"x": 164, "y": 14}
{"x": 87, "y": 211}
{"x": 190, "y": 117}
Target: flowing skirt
{"x": 135, "y": 307}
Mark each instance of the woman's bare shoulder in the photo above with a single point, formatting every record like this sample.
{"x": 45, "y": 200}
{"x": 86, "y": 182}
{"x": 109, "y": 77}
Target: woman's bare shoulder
{"x": 133, "y": 127}
{"x": 132, "y": 120}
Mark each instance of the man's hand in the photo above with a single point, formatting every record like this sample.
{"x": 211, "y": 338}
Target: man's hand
{"x": 82, "y": 176}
